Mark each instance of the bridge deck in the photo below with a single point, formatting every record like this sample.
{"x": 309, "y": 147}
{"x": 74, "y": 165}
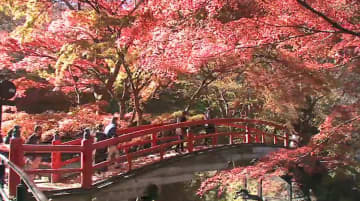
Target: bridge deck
{"x": 116, "y": 169}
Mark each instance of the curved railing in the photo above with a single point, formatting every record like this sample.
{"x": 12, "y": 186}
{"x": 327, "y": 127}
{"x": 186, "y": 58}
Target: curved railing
{"x": 37, "y": 194}
{"x": 158, "y": 138}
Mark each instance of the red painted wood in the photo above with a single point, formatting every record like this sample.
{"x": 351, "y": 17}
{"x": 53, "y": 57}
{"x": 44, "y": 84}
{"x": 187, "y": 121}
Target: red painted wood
{"x": 55, "y": 162}
{"x": 86, "y": 147}
{"x": 56, "y": 171}
{"x": 286, "y": 140}
{"x": 16, "y": 155}
{"x": 73, "y": 142}
{"x": 71, "y": 160}
{"x": 161, "y": 152}
{"x": 86, "y": 163}
{"x": 275, "y": 139}
{"x": 214, "y": 138}
{"x": 49, "y": 148}
{"x": 153, "y": 139}
{"x": 190, "y": 142}
{"x": 129, "y": 159}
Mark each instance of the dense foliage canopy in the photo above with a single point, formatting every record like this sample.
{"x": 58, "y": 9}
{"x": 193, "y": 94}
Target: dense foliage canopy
{"x": 295, "y": 62}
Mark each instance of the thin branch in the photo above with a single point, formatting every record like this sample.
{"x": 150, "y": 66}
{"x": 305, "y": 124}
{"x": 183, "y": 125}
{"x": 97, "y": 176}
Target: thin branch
{"x": 326, "y": 18}
{"x": 68, "y": 5}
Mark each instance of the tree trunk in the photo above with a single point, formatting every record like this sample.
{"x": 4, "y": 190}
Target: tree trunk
{"x": 135, "y": 93}
{"x": 137, "y": 108}
{"x": 76, "y": 89}
{"x": 122, "y": 109}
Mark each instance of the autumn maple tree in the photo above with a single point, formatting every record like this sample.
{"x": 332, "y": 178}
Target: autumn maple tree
{"x": 297, "y": 59}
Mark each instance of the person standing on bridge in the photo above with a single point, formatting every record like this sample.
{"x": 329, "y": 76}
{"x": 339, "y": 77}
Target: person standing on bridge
{"x": 34, "y": 159}
{"x": 100, "y": 154}
{"x": 209, "y": 128}
{"x": 110, "y": 129}
{"x": 110, "y": 132}
{"x": 180, "y": 132}
{"x": 14, "y": 131}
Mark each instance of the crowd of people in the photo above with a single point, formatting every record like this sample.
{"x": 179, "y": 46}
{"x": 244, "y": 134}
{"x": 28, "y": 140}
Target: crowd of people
{"x": 99, "y": 133}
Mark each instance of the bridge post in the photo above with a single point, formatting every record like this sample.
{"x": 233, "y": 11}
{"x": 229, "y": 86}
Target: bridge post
{"x": 55, "y": 159}
{"x": 215, "y": 137}
{"x": 247, "y": 135}
{"x": 129, "y": 158}
{"x": 153, "y": 139}
{"x": 190, "y": 141}
{"x": 86, "y": 161}
{"x": 257, "y": 140}
{"x": 161, "y": 151}
{"x": 16, "y": 155}
{"x": 286, "y": 140}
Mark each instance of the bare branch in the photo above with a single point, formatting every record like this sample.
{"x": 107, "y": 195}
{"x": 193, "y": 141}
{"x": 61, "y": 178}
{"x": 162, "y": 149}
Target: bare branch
{"x": 326, "y": 18}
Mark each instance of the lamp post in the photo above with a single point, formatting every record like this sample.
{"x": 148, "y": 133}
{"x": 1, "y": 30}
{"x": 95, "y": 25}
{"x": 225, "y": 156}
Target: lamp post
{"x": 7, "y": 91}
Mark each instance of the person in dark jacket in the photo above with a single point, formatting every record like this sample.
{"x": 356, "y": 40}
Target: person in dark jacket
{"x": 34, "y": 159}
{"x": 15, "y": 131}
{"x": 100, "y": 154}
{"x": 35, "y": 138}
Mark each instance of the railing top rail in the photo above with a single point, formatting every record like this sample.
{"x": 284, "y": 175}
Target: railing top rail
{"x": 166, "y": 127}
{"x": 38, "y": 195}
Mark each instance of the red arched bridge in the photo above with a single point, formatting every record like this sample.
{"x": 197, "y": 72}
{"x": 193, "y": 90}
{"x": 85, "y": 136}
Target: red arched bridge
{"x": 139, "y": 146}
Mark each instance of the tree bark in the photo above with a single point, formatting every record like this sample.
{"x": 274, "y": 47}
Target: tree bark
{"x": 135, "y": 94}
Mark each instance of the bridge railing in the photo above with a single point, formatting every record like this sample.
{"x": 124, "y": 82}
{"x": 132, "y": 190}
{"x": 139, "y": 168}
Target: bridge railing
{"x": 20, "y": 192}
{"x": 153, "y": 142}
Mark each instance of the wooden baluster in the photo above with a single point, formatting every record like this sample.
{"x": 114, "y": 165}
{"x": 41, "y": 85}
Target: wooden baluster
{"x": 286, "y": 140}
{"x": 214, "y": 138}
{"x": 55, "y": 159}
{"x": 129, "y": 158}
{"x": 190, "y": 140}
{"x": 153, "y": 139}
{"x": 257, "y": 140}
{"x": 86, "y": 161}
{"x": 247, "y": 135}
{"x": 16, "y": 155}
{"x": 161, "y": 152}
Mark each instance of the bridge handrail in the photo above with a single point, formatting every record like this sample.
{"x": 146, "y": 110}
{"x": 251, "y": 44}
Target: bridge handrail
{"x": 38, "y": 195}
{"x": 87, "y": 146}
